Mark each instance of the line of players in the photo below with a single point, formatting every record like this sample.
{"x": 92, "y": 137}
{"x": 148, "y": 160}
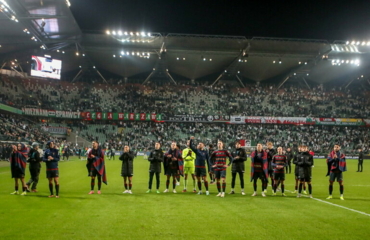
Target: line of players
{"x": 192, "y": 160}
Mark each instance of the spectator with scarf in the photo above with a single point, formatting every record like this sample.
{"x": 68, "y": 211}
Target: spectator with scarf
{"x": 96, "y": 166}
{"x": 51, "y": 159}
{"x": 18, "y": 162}
{"x": 336, "y": 166}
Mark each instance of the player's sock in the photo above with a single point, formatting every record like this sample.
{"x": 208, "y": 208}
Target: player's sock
{"x": 200, "y": 185}
{"x": 330, "y": 189}
{"x": 218, "y": 186}
{"x": 99, "y": 184}
{"x": 16, "y": 188}
{"x": 24, "y": 189}
{"x": 126, "y": 186}
{"x": 275, "y": 187}
{"x": 223, "y": 187}
{"x": 185, "y": 183}
{"x": 51, "y": 189}
{"x": 167, "y": 183}
{"x": 129, "y": 186}
{"x": 255, "y": 186}
{"x": 57, "y": 189}
{"x": 174, "y": 184}
{"x": 194, "y": 183}
{"x": 92, "y": 184}
{"x": 341, "y": 189}
{"x": 300, "y": 188}
{"x": 206, "y": 185}
{"x": 310, "y": 188}
{"x": 282, "y": 188}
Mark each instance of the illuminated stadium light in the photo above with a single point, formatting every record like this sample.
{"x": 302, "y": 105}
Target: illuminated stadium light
{"x": 107, "y": 32}
{"x": 273, "y": 61}
{"x": 80, "y": 66}
{"x": 332, "y": 61}
{"x": 114, "y": 55}
{"x": 122, "y": 53}
{"x": 143, "y": 34}
{"x": 347, "y": 61}
{"x": 125, "y": 33}
{"x": 133, "y": 53}
{"x": 183, "y": 59}
{"x": 204, "y": 59}
{"x": 93, "y": 66}
{"x": 353, "y": 42}
{"x": 77, "y": 53}
{"x": 347, "y": 42}
{"x": 280, "y": 61}
{"x": 295, "y": 74}
{"x": 177, "y": 59}
{"x": 225, "y": 71}
{"x": 149, "y": 34}
{"x": 210, "y": 59}
{"x": 120, "y": 33}
{"x": 113, "y": 32}
{"x": 131, "y": 33}
{"x": 362, "y": 76}
{"x": 363, "y": 43}
{"x": 127, "y": 53}
{"x": 308, "y": 74}
{"x": 137, "y": 34}
{"x": 68, "y": 3}
{"x": 352, "y": 62}
{"x": 358, "y": 43}
{"x": 299, "y": 62}
{"x": 238, "y": 71}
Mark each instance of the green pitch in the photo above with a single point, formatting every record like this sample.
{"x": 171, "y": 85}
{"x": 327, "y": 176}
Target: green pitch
{"x": 113, "y": 215}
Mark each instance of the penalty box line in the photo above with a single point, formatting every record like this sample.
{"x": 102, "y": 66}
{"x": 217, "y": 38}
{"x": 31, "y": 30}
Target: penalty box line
{"x": 336, "y": 205}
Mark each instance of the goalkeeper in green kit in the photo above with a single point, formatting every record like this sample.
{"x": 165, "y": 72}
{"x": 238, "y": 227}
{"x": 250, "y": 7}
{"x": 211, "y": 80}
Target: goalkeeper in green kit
{"x": 189, "y": 168}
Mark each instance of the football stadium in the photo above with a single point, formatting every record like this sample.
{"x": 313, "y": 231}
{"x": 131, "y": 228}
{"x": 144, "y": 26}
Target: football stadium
{"x": 119, "y": 132}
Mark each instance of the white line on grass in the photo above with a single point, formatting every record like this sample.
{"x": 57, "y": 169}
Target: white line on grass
{"x": 333, "y": 204}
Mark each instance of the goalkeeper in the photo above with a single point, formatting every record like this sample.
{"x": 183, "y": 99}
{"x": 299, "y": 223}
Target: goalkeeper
{"x": 189, "y": 168}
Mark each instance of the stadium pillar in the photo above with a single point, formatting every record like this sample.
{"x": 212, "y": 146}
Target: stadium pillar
{"x": 304, "y": 80}
{"x": 282, "y": 83}
{"x": 169, "y": 75}
{"x": 101, "y": 76}
{"x": 148, "y": 78}
{"x": 240, "y": 81}
{"x": 78, "y": 74}
{"x": 349, "y": 83}
{"x": 217, "y": 79}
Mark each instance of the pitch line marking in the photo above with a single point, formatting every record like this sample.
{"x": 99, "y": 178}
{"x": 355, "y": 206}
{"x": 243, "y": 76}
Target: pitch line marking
{"x": 336, "y": 205}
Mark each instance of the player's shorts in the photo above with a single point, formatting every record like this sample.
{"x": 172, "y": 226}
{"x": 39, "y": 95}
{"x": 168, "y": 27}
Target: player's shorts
{"x": 259, "y": 175}
{"x": 220, "y": 174}
{"x": 171, "y": 172}
{"x": 189, "y": 170}
{"x": 93, "y": 172}
{"x": 17, "y": 173}
{"x": 52, "y": 173}
{"x": 304, "y": 178}
{"x": 271, "y": 173}
{"x": 200, "y": 172}
{"x": 336, "y": 175}
{"x": 279, "y": 176}
{"x": 126, "y": 175}
{"x": 296, "y": 176}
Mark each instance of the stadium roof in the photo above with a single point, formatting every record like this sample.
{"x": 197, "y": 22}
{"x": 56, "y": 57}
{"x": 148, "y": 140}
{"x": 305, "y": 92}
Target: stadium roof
{"x": 33, "y": 27}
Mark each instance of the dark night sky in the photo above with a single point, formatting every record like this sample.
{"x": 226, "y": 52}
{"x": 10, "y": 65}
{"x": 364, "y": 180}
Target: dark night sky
{"x": 314, "y": 19}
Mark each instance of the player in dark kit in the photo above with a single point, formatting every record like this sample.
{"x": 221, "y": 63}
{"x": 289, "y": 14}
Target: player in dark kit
{"x": 304, "y": 163}
{"x": 96, "y": 166}
{"x": 173, "y": 165}
{"x": 259, "y": 169}
{"x": 336, "y": 166}
{"x": 270, "y": 153}
{"x": 218, "y": 158}
{"x": 34, "y": 161}
{"x": 51, "y": 159}
{"x": 360, "y": 160}
{"x": 201, "y": 159}
{"x": 18, "y": 162}
{"x": 289, "y": 156}
{"x": 295, "y": 158}
{"x": 155, "y": 158}
{"x": 279, "y": 161}
{"x": 127, "y": 170}
{"x": 238, "y": 167}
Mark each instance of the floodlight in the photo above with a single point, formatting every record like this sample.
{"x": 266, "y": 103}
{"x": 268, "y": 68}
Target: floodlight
{"x": 120, "y": 33}
{"x": 114, "y": 32}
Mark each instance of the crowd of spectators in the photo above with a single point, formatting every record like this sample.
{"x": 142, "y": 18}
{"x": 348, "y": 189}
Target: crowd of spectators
{"x": 223, "y": 98}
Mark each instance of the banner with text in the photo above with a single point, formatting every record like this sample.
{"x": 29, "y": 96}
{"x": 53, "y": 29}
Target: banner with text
{"x": 196, "y": 118}
{"x": 50, "y": 113}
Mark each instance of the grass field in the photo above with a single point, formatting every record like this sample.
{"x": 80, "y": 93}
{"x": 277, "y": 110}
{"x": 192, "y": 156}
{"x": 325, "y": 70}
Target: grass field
{"x": 113, "y": 215}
